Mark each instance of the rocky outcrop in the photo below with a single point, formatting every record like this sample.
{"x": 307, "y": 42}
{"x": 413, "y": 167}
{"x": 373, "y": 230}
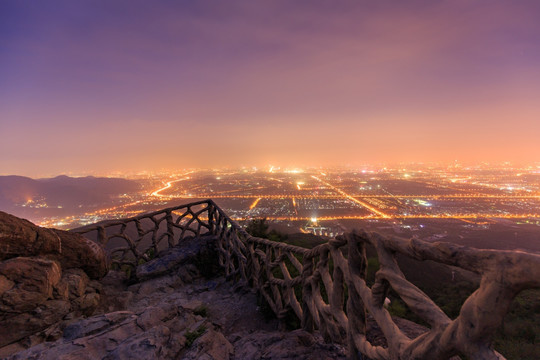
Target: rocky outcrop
{"x": 81, "y": 253}
{"x": 27, "y": 283}
{"x": 19, "y": 237}
{"x": 206, "y": 319}
{"x": 177, "y": 306}
{"x": 200, "y": 251}
{"x": 26, "y": 326}
{"x": 35, "y": 295}
{"x": 297, "y": 344}
{"x": 211, "y": 345}
{"x": 45, "y": 281}
{"x": 165, "y": 331}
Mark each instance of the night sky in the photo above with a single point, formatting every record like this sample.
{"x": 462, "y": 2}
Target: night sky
{"x": 101, "y": 86}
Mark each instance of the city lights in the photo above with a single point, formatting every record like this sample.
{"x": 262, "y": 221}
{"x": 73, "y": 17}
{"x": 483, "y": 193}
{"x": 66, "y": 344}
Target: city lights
{"x": 333, "y": 195}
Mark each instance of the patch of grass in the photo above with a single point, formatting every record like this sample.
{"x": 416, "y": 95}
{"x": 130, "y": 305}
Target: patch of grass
{"x": 201, "y": 310}
{"x": 308, "y": 241}
{"x": 519, "y": 334}
{"x": 191, "y": 336}
{"x": 128, "y": 270}
{"x": 150, "y": 254}
{"x": 397, "y": 308}
{"x": 125, "y": 268}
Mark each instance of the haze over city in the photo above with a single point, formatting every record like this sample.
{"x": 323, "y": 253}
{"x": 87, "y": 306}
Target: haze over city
{"x": 95, "y": 87}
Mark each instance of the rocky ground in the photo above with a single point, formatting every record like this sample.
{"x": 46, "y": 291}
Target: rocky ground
{"x": 47, "y": 278}
{"x": 56, "y": 304}
{"x": 179, "y": 316}
{"x": 176, "y": 306}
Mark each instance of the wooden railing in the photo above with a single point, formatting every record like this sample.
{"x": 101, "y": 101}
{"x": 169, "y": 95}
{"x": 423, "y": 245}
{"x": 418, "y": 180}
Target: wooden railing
{"x": 325, "y": 287}
{"x": 134, "y": 240}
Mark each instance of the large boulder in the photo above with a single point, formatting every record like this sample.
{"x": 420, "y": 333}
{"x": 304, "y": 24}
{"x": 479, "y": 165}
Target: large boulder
{"x": 19, "y": 237}
{"x": 80, "y": 252}
{"x": 41, "y": 317}
{"x": 26, "y": 282}
{"x": 199, "y": 251}
{"x": 26, "y": 291}
{"x": 44, "y": 276}
{"x": 73, "y": 284}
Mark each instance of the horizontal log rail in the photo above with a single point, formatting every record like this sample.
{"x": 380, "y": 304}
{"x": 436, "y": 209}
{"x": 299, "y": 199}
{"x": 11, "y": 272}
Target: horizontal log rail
{"x": 325, "y": 287}
{"x": 131, "y": 241}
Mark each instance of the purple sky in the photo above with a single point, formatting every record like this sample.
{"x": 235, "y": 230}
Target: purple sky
{"x": 98, "y": 86}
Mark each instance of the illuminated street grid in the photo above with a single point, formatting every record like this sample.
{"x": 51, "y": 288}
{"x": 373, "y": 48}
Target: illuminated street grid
{"x": 326, "y": 194}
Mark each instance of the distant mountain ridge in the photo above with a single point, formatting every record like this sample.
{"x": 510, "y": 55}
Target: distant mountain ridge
{"x": 62, "y": 190}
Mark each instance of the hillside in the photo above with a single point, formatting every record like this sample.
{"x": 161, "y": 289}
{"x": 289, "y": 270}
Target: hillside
{"x": 23, "y": 196}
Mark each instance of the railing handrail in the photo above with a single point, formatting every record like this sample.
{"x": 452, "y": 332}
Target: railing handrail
{"x": 279, "y": 271}
{"x": 116, "y": 222}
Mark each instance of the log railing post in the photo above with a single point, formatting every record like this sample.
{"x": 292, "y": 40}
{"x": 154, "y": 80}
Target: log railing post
{"x": 101, "y": 237}
{"x": 211, "y": 217}
{"x": 170, "y": 230}
{"x": 307, "y": 293}
{"x": 356, "y": 311}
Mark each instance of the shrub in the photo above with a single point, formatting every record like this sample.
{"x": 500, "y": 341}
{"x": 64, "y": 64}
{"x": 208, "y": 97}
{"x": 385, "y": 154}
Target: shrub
{"x": 397, "y": 308}
{"x": 191, "y": 336}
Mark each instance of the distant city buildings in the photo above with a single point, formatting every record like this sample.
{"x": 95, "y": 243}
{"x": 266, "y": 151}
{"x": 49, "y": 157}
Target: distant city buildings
{"x": 331, "y": 195}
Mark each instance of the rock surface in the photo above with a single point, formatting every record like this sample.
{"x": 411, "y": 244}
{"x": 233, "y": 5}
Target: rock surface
{"x": 25, "y": 324}
{"x": 145, "y": 332}
{"x": 192, "y": 251}
{"x": 81, "y": 253}
{"x": 168, "y": 318}
{"x": 175, "y": 314}
{"x": 44, "y": 281}
{"x": 35, "y": 295}
{"x": 19, "y": 237}
{"x": 28, "y": 283}
{"x": 211, "y": 345}
{"x": 297, "y": 344}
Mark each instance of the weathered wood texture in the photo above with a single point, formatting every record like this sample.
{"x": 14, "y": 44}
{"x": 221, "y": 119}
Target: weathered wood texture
{"x": 325, "y": 287}
{"x": 133, "y": 240}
